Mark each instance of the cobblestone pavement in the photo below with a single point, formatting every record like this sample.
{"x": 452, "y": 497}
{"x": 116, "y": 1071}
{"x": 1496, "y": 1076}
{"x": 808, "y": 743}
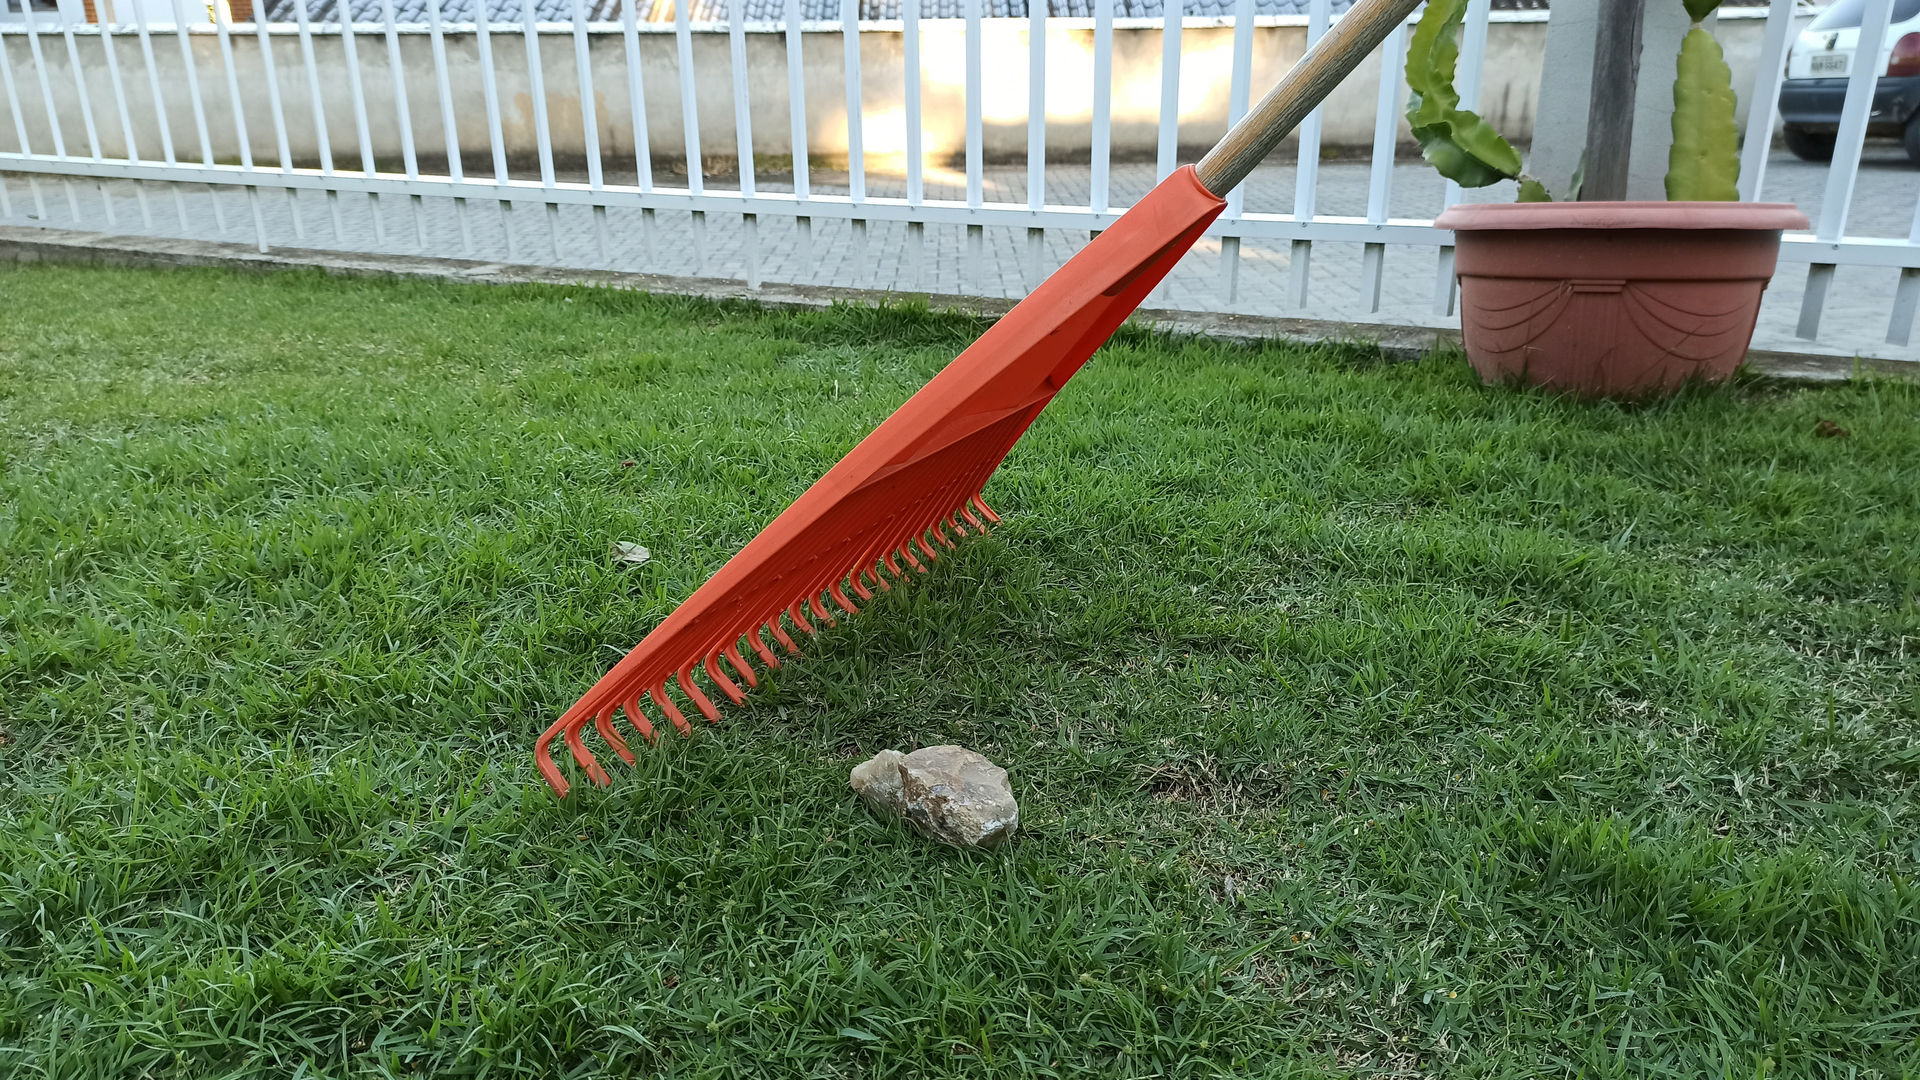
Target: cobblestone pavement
{"x": 831, "y": 252}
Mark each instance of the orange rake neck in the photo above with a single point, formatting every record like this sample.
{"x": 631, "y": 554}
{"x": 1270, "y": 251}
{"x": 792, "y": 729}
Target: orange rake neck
{"x": 896, "y": 495}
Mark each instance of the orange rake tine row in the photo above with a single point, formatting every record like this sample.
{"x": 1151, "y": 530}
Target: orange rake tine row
{"x": 915, "y": 482}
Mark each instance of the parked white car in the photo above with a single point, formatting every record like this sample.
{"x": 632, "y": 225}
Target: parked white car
{"x": 1823, "y": 57}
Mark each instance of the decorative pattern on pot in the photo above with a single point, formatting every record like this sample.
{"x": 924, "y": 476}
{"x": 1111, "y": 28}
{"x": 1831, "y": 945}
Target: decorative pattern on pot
{"x": 1661, "y": 333}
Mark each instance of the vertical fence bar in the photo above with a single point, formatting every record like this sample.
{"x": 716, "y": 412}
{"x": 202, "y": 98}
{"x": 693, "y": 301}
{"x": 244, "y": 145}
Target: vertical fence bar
{"x": 199, "y": 106}
{"x": 192, "y": 70}
{"x": 20, "y": 128}
{"x": 976, "y": 235}
{"x": 85, "y": 102}
{"x": 1906, "y": 295}
{"x": 1036, "y": 136}
{"x": 403, "y": 113}
{"x": 1764, "y": 103}
{"x": 1097, "y": 200}
{"x": 350, "y": 46}
{"x": 1237, "y": 93}
{"x": 111, "y": 54}
{"x": 1473, "y": 52}
{"x": 159, "y": 110}
{"x": 46, "y": 87}
{"x": 1169, "y": 149}
{"x": 797, "y": 132}
{"x": 690, "y": 128}
{"x": 449, "y": 130}
{"x": 47, "y": 102}
{"x": 275, "y": 107}
{"x": 1307, "y": 176}
{"x": 321, "y": 136}
{"x": 1167, "y": 155}
{"x": 496, "y": 142}
{"x": 636, "y": 96}
{"x": 542, "y": 132}
{"x": 743, "y": 135}
{"x": 223, "y": 29}
{"x": 1386, "y": 132}
{"x": 637, "y": 108}
{"x": 856, "y": 127}
{"x": 1838, "y": 199}
{"x": 916, "y": 193}
{"x": 589, "y": 126}
{"x": 81, "y": 96}
{"x": 86, "y": 109}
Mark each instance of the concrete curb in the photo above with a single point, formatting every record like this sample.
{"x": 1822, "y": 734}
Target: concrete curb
{"x": 29, "y": 245}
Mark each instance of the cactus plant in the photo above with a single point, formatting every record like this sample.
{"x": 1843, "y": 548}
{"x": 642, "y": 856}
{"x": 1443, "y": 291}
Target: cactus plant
{"x": 1456, "y": 141}
{"x": 1703, "y": 165}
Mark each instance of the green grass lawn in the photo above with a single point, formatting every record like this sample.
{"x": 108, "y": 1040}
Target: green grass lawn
{"x": 1366, "y": 721}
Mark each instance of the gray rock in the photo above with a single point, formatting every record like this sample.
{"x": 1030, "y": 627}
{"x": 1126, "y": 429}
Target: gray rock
{"x": 877, "y": 780}
{"x": 947, "y": 792}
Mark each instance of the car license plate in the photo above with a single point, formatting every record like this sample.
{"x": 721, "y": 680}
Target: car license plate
{"x": 1828, "y": 63}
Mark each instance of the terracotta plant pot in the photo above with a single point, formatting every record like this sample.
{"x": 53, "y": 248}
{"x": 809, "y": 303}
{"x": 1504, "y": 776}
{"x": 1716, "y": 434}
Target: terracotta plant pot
{"x": 1617, "y": 299}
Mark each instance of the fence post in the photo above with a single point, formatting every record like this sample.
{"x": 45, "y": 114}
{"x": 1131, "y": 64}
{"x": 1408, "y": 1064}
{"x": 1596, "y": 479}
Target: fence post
{"x": 1564, "y": 115}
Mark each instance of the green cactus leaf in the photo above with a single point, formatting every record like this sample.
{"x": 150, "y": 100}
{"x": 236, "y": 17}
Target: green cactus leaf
{"x": 1431, "y": 58}
{"x": 1700, "y": 9}
{"x": 1478, "y": 138}
{"x": 1455, "y": 163}
{"x": 1704, "y": 164}
{"x": 1532, "y": 190}
{"x": 1458, "y": 143}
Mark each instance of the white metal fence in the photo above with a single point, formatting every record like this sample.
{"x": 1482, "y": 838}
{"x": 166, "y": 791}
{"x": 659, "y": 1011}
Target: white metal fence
{"x": 90, "y": 157}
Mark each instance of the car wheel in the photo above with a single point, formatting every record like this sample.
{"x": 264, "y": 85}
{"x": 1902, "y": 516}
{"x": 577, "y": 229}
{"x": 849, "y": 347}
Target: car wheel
{"x": 1913, "y": 139}
{"x": 1810, "y": 145}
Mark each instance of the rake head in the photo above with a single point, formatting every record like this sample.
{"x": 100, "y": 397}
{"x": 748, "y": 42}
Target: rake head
{"x": 894, "y": 503}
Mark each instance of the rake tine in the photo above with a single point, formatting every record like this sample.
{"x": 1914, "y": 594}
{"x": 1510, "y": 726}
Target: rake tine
{"x": 926, "y": 549}
{"x": 985, "y": 509}
{"x": 725, "y": 684}
{"x": 880, "y": 557}
{"x": 971, "y": 517}
{"x": 603, "y": 722}
{"x": 543, "y": 759}
{"x": 760, "y": 649}
{"x": 700, "y": 701}
{"x": 659, "y": 694}
{"x": 940, "y": 534}
{"x": 819, "y": 612}
{"x": 732, "y": 653}
{"x": 639, "y": 719}
{"x": 780, "y": 635}
{"x": 840, "y": 597}
{"x": 800, "y": 620}
{"x": 583, "y": 758}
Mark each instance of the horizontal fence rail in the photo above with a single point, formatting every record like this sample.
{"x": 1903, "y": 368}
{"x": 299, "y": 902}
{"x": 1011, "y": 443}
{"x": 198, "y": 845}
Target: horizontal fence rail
{"x": 750, "y": 136}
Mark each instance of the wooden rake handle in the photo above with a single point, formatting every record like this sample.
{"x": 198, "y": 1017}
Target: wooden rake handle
{"x": 1348, "y": 41}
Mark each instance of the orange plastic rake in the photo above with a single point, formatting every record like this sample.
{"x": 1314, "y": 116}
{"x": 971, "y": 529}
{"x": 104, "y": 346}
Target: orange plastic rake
{"x": 889, "y": 507}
